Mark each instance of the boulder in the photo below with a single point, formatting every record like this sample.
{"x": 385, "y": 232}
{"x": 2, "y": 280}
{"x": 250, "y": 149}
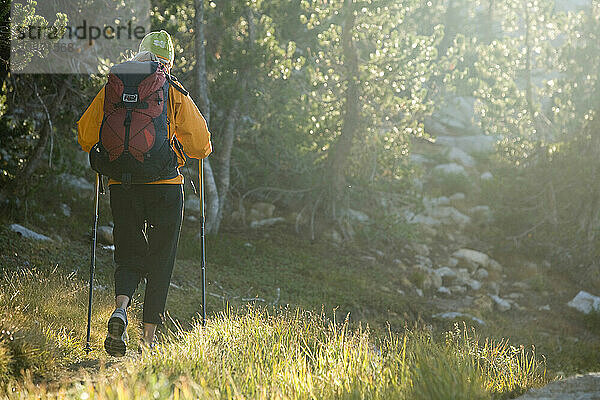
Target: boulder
{"x": 431, "y": 203}
{"x": 262, "y": 210}
{"x": 461, "y": 157}
{"x": 266, "y": 222}
{"x": 448, "y": 275}
{"x": 471, "y": 259}
{"x": 78, "y": 184}
{"x": 355, "y": 215}
{"x": 481, "y": 274}
{"x": 450, "y": 169}
{"x": 501, "y": 304}
{"x": 421, "y": 219}
{"x": 455, "y": 315}
{"x": 486, "y": 176}
{"x": 450, "y": 216}
{"x": 65, "y": 209}
{"x": 475, "y": 285}
{"x": 22, "y": 231}
{"x": 457, "y": 199}
{"x": 585, "y": 302}
{"x": 105, "y": 235}
{"x": 333, "y": 236}
{"x": 444, "y": 290}
{"x": 471, "y": 144}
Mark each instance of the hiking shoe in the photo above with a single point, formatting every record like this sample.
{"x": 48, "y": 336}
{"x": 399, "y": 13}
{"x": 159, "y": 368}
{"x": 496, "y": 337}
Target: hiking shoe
{"x": 116, "y": 340}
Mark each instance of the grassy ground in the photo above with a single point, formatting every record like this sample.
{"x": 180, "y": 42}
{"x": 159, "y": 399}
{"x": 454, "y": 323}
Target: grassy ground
{"x": 272, "y": 349}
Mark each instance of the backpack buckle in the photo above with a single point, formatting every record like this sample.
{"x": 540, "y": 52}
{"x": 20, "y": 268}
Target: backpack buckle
{"x": 130, "y": 98}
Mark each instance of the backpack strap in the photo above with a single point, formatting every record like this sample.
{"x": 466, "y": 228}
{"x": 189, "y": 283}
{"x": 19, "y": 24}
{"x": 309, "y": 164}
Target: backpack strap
{"x": 175, "y": 83}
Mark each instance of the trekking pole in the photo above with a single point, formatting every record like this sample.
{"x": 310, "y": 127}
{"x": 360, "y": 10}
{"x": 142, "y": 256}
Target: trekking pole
{"x": 93, "y": 263}
{"x": 202, "y": 254}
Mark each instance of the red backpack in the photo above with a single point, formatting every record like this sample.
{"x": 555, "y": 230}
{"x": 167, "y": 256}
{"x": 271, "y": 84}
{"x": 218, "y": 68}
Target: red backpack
{"x": 134, "y": 145}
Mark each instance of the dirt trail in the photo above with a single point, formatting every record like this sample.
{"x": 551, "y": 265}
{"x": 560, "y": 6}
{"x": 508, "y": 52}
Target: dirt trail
{"x": 578, "y": 387}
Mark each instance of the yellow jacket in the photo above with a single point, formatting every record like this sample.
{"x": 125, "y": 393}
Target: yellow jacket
{"x": 190, "y": 128}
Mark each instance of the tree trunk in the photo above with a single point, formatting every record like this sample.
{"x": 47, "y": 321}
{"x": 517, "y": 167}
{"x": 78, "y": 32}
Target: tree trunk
{"x": 340, "y": 153}
{"x": 223, "y": 175}
{"x": 224, "y": 157}
{"x": 212, "y": 197}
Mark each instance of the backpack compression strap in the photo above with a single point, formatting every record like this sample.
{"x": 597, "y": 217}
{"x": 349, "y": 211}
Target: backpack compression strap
{"x": 175, "y": 83}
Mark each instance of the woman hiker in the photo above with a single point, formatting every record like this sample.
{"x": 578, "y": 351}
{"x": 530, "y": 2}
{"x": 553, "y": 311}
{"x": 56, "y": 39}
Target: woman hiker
{"x": 147, "y": 216}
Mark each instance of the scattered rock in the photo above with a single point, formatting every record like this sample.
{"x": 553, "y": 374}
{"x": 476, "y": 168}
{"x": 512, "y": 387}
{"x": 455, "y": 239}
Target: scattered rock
{"x": 378, "y": 253}
{"x": 585, "y": 302}
{"x": 460, "y": 289}
{"x": 494, "y": 266}
{"x": 21, "y": 230}
{"x": 333, "y": 236}
{"x": 66, "y": 210}
{"x": 470, "y": 144}
{"x": 501, "y": 304}
{"x": 448, "y": 275}
{"x": 450, "y": 216}
{"x": 486, "y": 176}
{"x": 420, "y": 248}
{"x": 444, "y": 290}
{"x": 450, "y": 169}
{"x": 105, "y": 235}
{"x": 424, "y": 261}
{"x": 544, "y": 307}
{"x": 354, "y": 215}
{"x": 457, "y": 199}
{"x": 481, "y": 274}
{"x": 436, "y": 280}
{"x": 521, "y": 286}
{"x": 261, "y": 211}
{"x": 474, "y": 284}
{"x": 435, "y": 202}
{"x": 455, "y": 315}
{"x": 460, "y": 156}
{"x": 493, "y": 287}
{"x": 400, "y": 264}
{"x": 78, "y": 183}
{"x": 265, "y": 222}
{"x": 471, "y": 259}
{"x": 424, "y": 220}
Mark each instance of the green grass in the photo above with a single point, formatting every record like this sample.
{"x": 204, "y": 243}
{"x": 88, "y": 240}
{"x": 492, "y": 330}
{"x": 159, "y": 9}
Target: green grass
{"x": 292, "y": 354}
{"x": 250, "y": 348}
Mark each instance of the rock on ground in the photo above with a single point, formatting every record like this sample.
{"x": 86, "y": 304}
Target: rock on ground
{"x": 105, "y": 235}
{"x": 28, "y": 233}
{"x": 266, "y": 222}
{"x": 585, "y": 302}
{"x": 578, "y": 387}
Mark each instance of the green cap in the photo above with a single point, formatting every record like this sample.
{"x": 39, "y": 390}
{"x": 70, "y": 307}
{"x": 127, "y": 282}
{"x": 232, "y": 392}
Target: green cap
{"x": 159, "y": 44}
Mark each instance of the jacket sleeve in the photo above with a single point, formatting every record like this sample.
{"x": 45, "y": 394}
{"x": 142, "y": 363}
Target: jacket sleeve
{"x": 190, "y": 128}
{"x": 88, "y": 126}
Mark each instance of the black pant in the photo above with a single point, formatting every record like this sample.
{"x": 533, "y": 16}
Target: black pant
{"x": 147, "y": 222}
